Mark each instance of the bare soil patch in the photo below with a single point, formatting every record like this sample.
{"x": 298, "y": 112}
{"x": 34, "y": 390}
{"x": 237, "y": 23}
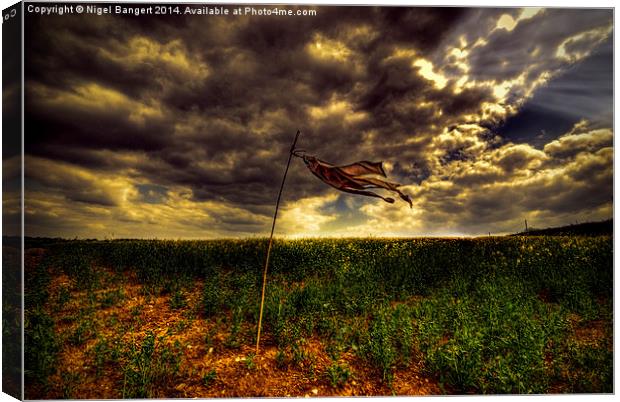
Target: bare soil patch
{"x": 203, "y": 348}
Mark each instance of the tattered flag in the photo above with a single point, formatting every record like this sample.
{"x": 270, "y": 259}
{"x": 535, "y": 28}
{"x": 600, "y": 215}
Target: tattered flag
{"x": 355, "y": 178}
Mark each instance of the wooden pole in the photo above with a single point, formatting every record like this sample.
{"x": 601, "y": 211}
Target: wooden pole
{"x": 273, "y": 225}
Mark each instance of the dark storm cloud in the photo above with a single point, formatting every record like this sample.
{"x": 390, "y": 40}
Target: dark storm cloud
{"x": 468, "y": 101}
{"x": 587, "y": 186}
{"x": 274, "y": 72}
{"x": 395, "y": 83}
{"x": 93, "y": 131}
{"x": 276, "y": 48}
{"x": 61, "y": 50}
{"x": 74, "y": 186}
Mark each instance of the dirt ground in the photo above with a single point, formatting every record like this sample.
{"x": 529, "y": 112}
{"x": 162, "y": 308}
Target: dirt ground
{"x": 238, "y": 372}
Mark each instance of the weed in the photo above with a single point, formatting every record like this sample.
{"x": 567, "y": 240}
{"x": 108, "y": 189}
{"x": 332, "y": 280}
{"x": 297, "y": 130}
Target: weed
{"x": 112, "y": 297}
{"x": 148, "y": 366}
{"x": 136, "y": 311}
{"x": 302, "y": 358}
{"x": 209, "y": 378}
{"x": 100, "y": 350}
{"x": 92, "y": 298}
{"x": 70, "y": 381}
{"x": 299, "y": 354}
{"x": 181, "y": 325}
{"x": 42, "y": 346}
{"x": 177, "y": 300}
{"x": 586, "y": 368}
{"x": 233, "y": 340}
{"x": 211, "y": 298}
{"x": 338, "y": 374}
{"x": 249, "y": 361}
{"x": 84, "y": 331}
{"x": 104, "y": 353}
{"x": 112, "y": 320}
{"x": 488, "y": 337}
{"x": 209, "y": 337}
{"x": 63, "y": 297}
{"x": 379, "y": 348}
{"x": 281, "y": 359}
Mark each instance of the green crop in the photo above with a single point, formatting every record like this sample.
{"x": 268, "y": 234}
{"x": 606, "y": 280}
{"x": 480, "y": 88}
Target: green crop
{"x": 489, "y": 315}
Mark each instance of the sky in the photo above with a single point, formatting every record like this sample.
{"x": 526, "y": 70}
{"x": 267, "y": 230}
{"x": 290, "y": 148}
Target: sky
{"x": 180, "y": 126}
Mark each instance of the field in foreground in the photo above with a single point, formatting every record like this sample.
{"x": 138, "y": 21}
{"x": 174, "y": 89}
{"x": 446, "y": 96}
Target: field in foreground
{"x": 140, "y": 319}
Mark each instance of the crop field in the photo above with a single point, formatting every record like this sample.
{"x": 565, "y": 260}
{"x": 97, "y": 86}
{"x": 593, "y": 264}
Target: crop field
{"x": 166, "y": 319}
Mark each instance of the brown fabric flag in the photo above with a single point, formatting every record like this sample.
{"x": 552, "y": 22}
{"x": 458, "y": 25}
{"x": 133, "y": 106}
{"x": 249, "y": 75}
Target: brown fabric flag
{"x": 355, "y": 178}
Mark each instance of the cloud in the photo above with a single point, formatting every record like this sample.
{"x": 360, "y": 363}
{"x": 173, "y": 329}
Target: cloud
{"x": 306, "y": 217}
{"x": 572, "y": 144}
{"x": 181, "y": 128}
{"x": 59, "y": 197}
{"x": 513, "y": 182}
{"x": 518, "y": 157}
{"x": 172, "y": 58}
{"x": 578, "y": 46}
{"x": 75, "y": 184}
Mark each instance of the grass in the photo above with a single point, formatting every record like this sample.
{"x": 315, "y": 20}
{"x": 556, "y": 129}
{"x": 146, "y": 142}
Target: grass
{"x": 177, "y": 301}
{"x": 249, "y": 361}
{"x": 147, "y": 366}
{"x": 64, "y": 296}
{"x": 209, "y": 377}
{"x": 493, "y": 337}
{"x": 338, "y": 374}
{"x": 487, "y": 316}
{"x": 105, "y": 352}
{"x": 41, "y": 343}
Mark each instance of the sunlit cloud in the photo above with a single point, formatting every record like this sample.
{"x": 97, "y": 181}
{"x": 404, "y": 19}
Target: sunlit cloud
{"x": 579, "y": 46}
{"x": 337, "y": 108}
{"x": 305, "y": 217}
{"x": 325, "y": 48}
{"x": 506, "y": 22}
{"x": 172, "y": 56}
{"x": 427, "y": 71}
{"x": 93, "y": 98}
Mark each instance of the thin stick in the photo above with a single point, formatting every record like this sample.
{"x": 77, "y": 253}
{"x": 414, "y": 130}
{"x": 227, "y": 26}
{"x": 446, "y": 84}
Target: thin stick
{"x": 273, "y": 226}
